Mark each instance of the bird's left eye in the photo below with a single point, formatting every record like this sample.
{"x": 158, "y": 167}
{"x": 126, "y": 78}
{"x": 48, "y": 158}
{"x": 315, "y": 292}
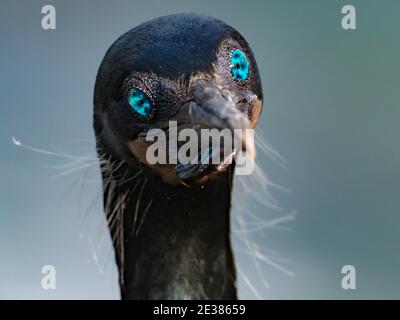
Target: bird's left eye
{"x": 239, "y": 65}
{"x": 141, "y": 103}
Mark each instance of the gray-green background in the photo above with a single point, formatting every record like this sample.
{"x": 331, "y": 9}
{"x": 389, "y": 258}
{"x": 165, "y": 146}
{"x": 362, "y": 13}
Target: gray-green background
{"x": 331, "y": 110}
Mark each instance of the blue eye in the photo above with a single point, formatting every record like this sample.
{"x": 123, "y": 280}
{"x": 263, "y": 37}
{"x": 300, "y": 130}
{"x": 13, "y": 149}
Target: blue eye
{"x": 239, "y": 65}
{"x": 140, "y": 103}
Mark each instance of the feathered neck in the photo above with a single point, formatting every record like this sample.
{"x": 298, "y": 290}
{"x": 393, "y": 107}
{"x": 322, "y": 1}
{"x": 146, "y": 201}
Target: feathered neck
{"x": 170, "y": 242}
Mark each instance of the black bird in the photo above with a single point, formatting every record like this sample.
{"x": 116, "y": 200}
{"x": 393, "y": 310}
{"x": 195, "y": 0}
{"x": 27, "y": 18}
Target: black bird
{"x": 170, "y": 224}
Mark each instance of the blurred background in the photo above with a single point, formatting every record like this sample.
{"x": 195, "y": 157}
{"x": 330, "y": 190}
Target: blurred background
{"x": 331, "y": 110}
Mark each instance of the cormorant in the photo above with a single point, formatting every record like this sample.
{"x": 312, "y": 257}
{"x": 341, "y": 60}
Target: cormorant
{"x": 170, "y": 224}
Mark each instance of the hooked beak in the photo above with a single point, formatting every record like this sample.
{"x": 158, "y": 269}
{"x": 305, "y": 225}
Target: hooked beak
{"x": 212, "y": 109}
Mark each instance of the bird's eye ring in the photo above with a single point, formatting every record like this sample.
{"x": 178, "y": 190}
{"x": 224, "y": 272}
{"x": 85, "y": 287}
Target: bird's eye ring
{"x": 141, "y": 104}
{"x": 239, "y": 65}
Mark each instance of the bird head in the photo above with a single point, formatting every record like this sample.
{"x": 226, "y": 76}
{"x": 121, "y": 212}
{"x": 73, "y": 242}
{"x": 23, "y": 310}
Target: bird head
{"x": 186, "y": 70}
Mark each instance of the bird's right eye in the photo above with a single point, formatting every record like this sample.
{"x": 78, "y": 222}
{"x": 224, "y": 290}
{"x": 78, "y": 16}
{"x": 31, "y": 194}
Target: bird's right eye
{"x": 140, "y": 104}
{"x": 239, "y": 65}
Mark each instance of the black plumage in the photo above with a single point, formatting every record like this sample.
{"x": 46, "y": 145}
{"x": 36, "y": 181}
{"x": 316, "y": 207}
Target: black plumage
{"x": 169, "y": 223}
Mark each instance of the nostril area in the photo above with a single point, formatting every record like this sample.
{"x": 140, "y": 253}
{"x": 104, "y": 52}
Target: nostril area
{"x": 244, "y": 100}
